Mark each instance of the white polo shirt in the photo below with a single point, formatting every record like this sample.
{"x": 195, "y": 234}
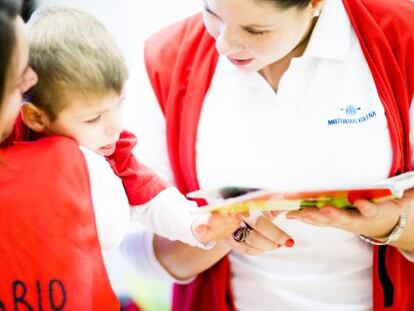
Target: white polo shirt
{"x": 325, "y": 127}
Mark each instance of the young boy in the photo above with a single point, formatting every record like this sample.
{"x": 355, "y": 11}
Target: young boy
{"x": 79, "y": 95}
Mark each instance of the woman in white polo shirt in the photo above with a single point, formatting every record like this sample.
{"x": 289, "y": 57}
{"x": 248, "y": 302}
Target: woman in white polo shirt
{"x": 272, "y": 109}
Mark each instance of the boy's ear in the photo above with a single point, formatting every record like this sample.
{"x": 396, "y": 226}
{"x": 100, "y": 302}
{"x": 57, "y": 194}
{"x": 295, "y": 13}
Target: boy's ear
{"x": 34, "y": 118}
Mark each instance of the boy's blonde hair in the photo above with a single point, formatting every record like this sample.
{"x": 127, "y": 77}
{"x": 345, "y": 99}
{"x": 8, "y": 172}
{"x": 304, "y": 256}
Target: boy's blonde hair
{"x": 74, "y": 56}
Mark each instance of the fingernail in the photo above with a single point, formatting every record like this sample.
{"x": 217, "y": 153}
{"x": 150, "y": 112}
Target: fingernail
{"x": 278, "y": 246}
{"x": 290, "y": 243}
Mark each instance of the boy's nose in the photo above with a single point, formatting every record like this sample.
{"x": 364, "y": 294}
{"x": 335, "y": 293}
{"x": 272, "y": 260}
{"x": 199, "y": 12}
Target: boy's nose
{"x": 115, "y": 126}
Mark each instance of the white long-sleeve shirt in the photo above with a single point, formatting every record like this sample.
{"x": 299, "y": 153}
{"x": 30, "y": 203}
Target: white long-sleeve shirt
{"x": 168, "y": 214}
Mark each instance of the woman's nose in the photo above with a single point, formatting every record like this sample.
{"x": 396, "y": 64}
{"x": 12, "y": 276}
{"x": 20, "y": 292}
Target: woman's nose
{"x": 227, "y": 42}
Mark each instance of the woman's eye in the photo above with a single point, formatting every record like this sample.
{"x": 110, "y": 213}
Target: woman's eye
{"x": 255, "y": 32}
{"x": 94, "y": 120}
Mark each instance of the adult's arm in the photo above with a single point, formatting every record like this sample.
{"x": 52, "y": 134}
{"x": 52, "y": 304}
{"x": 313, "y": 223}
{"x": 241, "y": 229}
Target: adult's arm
{"x": 159, "y": 257}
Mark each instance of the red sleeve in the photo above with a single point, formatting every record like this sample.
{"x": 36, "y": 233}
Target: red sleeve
{"x": 141, "y": 184}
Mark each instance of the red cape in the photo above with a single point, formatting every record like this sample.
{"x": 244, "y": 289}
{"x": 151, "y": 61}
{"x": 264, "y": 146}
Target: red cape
{"x": 50, "y": 253}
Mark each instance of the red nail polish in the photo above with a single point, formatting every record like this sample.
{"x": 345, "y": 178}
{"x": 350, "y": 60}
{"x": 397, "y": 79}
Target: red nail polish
{"x": 278, "y": 245}
{"x": 290, "y": 243}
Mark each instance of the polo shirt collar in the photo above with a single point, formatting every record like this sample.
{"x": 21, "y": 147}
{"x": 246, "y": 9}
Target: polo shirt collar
{"x": 332, "y": 35}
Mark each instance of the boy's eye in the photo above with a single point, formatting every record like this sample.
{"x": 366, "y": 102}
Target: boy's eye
{"x": 206, "y": 9}
{"x": 96, "y": 119}
{"x": 255, "y": 32}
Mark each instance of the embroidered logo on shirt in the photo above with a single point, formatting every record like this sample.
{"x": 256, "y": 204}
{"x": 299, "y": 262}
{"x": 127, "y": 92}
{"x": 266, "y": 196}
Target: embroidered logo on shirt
{"x": 352, "y": 113}
{"x": 351, "y": 110}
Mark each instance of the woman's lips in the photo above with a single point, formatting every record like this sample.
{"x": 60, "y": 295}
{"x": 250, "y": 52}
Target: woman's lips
{"x": 240, "y": 62}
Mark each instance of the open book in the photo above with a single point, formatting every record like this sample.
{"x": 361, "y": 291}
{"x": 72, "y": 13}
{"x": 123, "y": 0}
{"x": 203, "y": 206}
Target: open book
{"x": 242, "y": 199}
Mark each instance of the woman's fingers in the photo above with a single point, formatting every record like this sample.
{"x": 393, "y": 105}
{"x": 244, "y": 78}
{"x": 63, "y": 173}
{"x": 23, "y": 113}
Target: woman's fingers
{"x": 271, "y": 214}
{"x": 214, "y": 227}
{"x": 260, "y": 242}
{"x": 270, "y": 232}
{"x": 367, "y": 209}
{"x": 263, "y": 236}
{"x": 243, "y": 247}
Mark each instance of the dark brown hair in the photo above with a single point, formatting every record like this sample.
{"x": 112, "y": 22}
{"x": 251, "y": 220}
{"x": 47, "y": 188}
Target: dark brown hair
{"x": 286, "y": 4}
{"x": 9, "y": 9}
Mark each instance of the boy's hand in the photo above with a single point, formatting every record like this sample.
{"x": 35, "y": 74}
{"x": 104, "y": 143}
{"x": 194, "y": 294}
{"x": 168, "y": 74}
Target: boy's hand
{"x": 215, "y": 226}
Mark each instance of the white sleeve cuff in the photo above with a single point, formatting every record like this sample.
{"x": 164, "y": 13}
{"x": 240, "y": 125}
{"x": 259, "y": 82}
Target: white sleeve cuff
{"x": 169, "y": 214}
{"x": 138, "y": 248}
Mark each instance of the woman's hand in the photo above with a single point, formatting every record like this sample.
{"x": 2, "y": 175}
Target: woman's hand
{"x": 372, "y": 220}
{"x": 263, "y": 236}
{"x": 183, "y": 261}
{"x": 214, "y": 227}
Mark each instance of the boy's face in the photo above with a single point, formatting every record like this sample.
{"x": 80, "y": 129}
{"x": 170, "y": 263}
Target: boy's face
{"x": 95, "y": 124}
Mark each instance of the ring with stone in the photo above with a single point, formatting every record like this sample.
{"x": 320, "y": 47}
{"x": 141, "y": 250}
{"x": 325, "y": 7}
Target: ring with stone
{"x": 241, "y": 234}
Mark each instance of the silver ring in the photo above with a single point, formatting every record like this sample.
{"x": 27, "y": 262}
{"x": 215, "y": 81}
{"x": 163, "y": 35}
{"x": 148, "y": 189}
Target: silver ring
{"x": 241, "y": 234}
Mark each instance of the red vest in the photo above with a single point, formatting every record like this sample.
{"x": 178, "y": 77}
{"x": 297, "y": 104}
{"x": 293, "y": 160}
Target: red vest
{"x": 181, "y": 60}
{"x": 50, "y": 254}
